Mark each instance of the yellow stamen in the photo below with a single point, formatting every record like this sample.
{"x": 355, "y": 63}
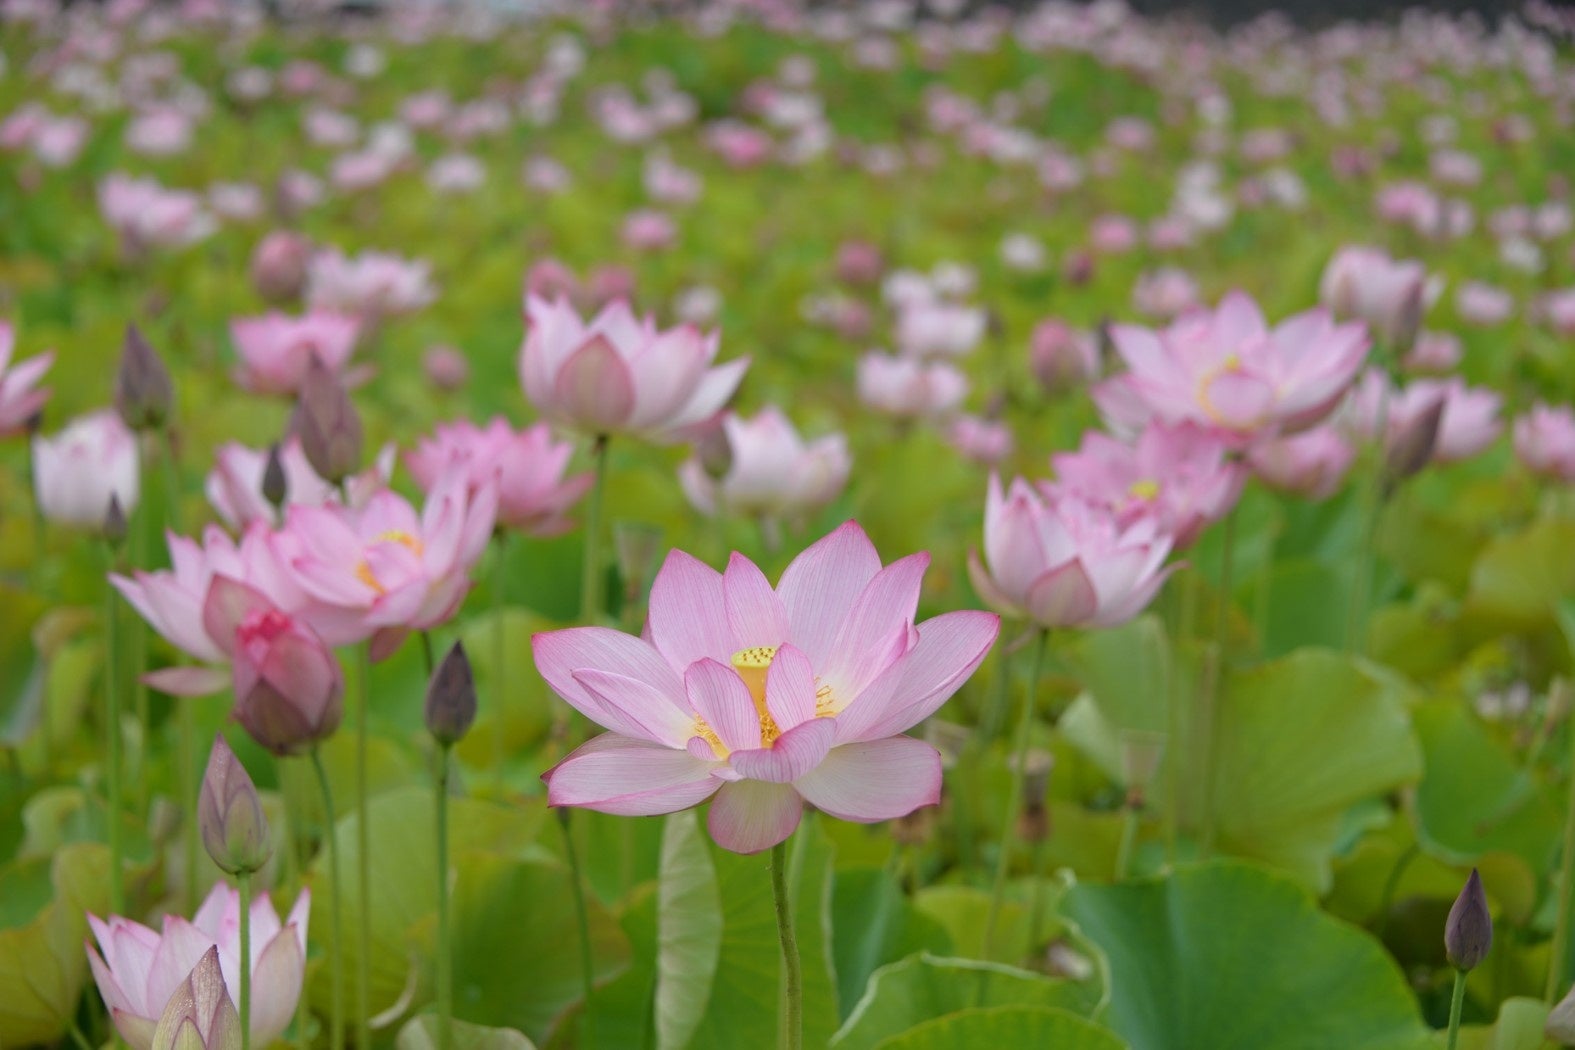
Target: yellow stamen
{"x": 706, "y": 733}
{"x": 751, "y": 665}
{"x": 363, "y": 570}
{"x": 1146, "y": 489}
{"x": 825, "y": 702}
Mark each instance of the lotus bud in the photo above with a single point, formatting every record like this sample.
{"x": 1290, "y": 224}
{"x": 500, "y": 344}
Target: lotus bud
{"x": 115, "y": 527}
{"x": 278, "y": 266}
{"x": 1411, "y": 449}
{"x": 1061, "y": 357}
{"x": 144, "y": 392}
{"x": 275, "y": 486}
{"x": 327, "y": 424}
{"x": 230, "y": 815}
{"x": 714, "y": 451}
{"x": 200, "y": 1014}
{"x": 451, "y": 698}
{"x": 1468, "y": 933}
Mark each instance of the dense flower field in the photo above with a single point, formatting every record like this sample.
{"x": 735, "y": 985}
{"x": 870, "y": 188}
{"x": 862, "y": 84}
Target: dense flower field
{"x": 739, "y": 524}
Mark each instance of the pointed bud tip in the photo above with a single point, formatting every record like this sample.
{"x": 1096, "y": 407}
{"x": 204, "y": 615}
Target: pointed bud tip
{"x": 230, "y": 815}
{"x": 115, "y": 526}
{"x": 1468, "y": 932}
{"x": 275, "y": 486}
{"x": 144, "y": 391}
{"x": 451, "y": 698}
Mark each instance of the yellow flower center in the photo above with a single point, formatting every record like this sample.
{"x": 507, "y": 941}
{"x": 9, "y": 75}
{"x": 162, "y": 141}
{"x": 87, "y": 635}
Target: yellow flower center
{"x": 363, "y": 570}
{"x": 751, "y": 665}
{"x": 1146, "y": 489}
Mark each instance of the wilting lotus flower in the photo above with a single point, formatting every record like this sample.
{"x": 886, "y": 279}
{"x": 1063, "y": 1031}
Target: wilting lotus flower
{"x": 524, "y": 466}
{"x": 275, "y": 349}
{"x": 78, "y": 470}
{"x": 146, "y": 215}
{"x": 1181, "y": 477}
{"x": 200, "y": 1014}
{"x": 235, "y": 484}
{"x": 139, "y": 969}
{"x": 765, "y": 698}
{"x": 20, "y": 401}
{"x": 375, "y": 284}
{"x": 1061, "y": 561}
{"x": 171, "y": 600}
{"x": 619, "y": 374}
{"x": 1365, "y": 284}
{"x": 910, "y": 389}
{"x": 771, "y": 472}
{"x": 1545, "y": 441}
{"x": 1312, "y": 463}
{"x": 1227, "y": 370}
{"x": 1469, "y": 424}
{"x": 382, "y": 570}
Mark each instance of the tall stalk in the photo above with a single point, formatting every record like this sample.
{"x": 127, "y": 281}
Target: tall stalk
{"x": 499, "y": 658}
{"x": 336, "y": 1040}
{"x": 790, "y": 1030}
{"x": 244, "y": 879}
{"x": 591, "y": 580}
{"x": 582, "y": 913}
{"x": 1206, "y": 741}
{"x": 363, "y": 823}
{"x": 117, "y": 849}
{"x": 1455, "y": 1003}
{"x": 1557, "y": 958}
{"x": 445, "y": 962}
{"x": 1014, "y": 798}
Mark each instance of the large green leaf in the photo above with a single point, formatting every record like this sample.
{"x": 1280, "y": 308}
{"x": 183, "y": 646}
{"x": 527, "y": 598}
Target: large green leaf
{"x": 923, "y": 987}
{"x": 1226, "y": 955}
{"x": 873, "y": 923}
{"x": 1005, "y": 1026}
{"x": 423, "y": 1033}
{"x": 689, "y": 931}
{"x": 42, "y": 964}
{"x": 1519, "y": 1027}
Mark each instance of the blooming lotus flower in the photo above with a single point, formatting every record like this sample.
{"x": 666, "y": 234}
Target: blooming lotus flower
{"x": 910, "y": 389}
{"x": 986, "y": 441}
{"x": 1181, "y": 477}
{"x": 936, "y": 329}
{"x": 763, "y": 697}
{"x": 771, "y": 472}
{"x": 147, "y": 215}
{"x": 1061, "y": 561}
{"x": 619, "y": 374}
{"x": 235, "y": 484}
{"x": 383, "y": 570}
{"x": 289, "y": 690}
{"x": 200, "y": 1014}
{"x": 525, "y": 467}
{"x": 1312, "y": 463}
{"x": 1436, "y": 352}
{"x": 1481, "y": 303}
{"x": 374, "y": 284}
{"x": 138, "y": 970}
{"x": 1365, "y": 284}
{"x": 1166, "y": 292}
{"x": 171, "y": 600}
{"x": 20, "y": 402}
{"x": 1469, "y": 424}
{"x": 276, "y": 348}
{"x": 1545, "y": 441}
{"x": 1225, "y": 369}
{"x": 78, "y": 470}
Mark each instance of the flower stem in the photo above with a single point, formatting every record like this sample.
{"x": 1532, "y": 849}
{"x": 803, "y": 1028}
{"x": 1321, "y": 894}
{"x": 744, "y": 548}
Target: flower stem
{"x": 363, "y": 823}
{"x": 582, "y": 913}
{"x": 1129, "y": 830}
{"x": 500, "y": 654}
{"x": 790, "y": 1031}
{"x": 1558, "y": 957}
{"x": 1014, "y": 798}
{"x": 117, "y": 888}
{"x": 1209, "y": 690}
{"x": 336, "y": 934}
{"x": 445, "y": 962}
{"x": 1455, "y": 1004}
{"x": 187, "y": 754}
{"x": 245, "y": 880}
{"x": 591, "y": 582}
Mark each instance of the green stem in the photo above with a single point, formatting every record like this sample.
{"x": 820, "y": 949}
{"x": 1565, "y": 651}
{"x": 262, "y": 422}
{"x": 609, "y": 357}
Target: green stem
{"x": 1558, "y": 958}
{"x": 187, "y": 754}
{"x": 117, "y": 888}
{"x": 790, "y": 1031}
{"x": 445, "y": 963}
{"x": 245, "y": 881}
{"x": 363, "y": 823}
{"x": 336, "y": 928}
{"x": 582, "y": 913}
{"x": 591, "y": 582}
{"x": 1014, "y": 798}
{"x": 1372, "y": 497}
{"x": 1455, "y": 1004}
{"x": 1391, "y": 887}
{"x": 426, "y": 652}
{"x": 1129, "y": 830}
{"x": 500, "y": 690}
{"x": 1209, "y": 694}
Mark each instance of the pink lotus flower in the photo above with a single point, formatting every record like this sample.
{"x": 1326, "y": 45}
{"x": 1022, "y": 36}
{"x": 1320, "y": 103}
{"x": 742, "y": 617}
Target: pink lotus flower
{"x": 1061, "y": 561}
{"x": 646, "y": 230}
{"x": 1182, "y": 477}
{"x": 381, "y": 571}
{"x": 20, "y": 400}
{"x": 937, "y": 329}
{"x": 910, "y": 389}
{"x": 763, "y": 697}
{"x": 771, "y": 473}
{"x": 1312, "y": 464}
{"x": 859, "y": 263}
{"x": 1545, "y": 441}
{"x": 372, "y": 283}
{"x": 524, "y": 466}
{"x": 200, "y": 1015}
{"x": 1436, "y": 352}
{"x": 1226, "y": 370}
{"x": 1165, "y": 293}
{"x": 445, "y": 367}
{"x": 1481, "y": 303}
{"x": 986, "y": 441}
{"x": 79, "y": 469}
{"x": 1365, "y": 284}
{"x": 1062, "y": 357}
{"x": 147, "y": 215}
{"x": 1470, "y": 422}
{"x": 235, "y": 484}
{"x": 276, "y": 348}
{"x": 139, "y": 969}
{"x": 619, "y": 374}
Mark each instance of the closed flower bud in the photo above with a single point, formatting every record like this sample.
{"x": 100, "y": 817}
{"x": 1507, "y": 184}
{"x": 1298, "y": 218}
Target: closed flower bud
{"x": 200, "y": 1014}
{"x": 327, "y": 425}
{"x": 230, "y": 815}
{"x": 278, "y": 265}
{"x": 275, "y": 486}
{"x": 1412, "y": 448}
{"x": 114, "y": 523}
{"x": 144, "y": 393}
{"x": 451, "y": 698}
{"x": 1468, "y": 933}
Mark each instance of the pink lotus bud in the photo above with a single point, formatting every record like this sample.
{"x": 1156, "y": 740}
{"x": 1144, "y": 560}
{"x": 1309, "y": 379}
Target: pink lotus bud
{"x": 445, "y": 367}
{"x": 859, "y": 263}
{"x": 200, "y": 1014}
{"x": 550, "y": 279}
{"x": 144, "y": 392}
{"x": 609, "y": 284}
{"x": 1468, "y": 933}
{"x": 1062, "y": 358}
{"x": 275, "y": 483}
{"x": 451, "y": 698}
{"x": 1078, "y": 267}
{"x": 230, "y": 815}
{"x": 278, "y": 266}
{"x": 327, "y": 424}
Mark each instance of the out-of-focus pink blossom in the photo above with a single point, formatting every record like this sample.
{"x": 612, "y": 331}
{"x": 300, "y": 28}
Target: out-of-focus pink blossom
{"x": 1481, "y": 303}
{"x": 771, "y": 472}
{"x": 235, "y": 484}
{"x": 146, "y": 215}
{"x": 986, "y": 441}
{"x": 649, "y": 231}
{"x": 526, "y": 467}
{"x": 275, "y": 349}
{"x": 21, "y": 398}
{"x": 1165, "y": 293}
{"x": 372, "y": 283}
{"x": 1434, "y": 352}
{"x": 1313, "y": 463}
{"x": 1469, "y": 424}
{"x": 1545, "y": 441}
{"x": 445, "y": 367}
{"x": 77, "y": 471}
{"x": 1062, "y": 357}
{"x": 910, "y": 389}
{"x": 938, "y": 329}
{"x": 1365, "y": 284}
{"x": 859, "y": 263}
{"x": 278, "y": 265}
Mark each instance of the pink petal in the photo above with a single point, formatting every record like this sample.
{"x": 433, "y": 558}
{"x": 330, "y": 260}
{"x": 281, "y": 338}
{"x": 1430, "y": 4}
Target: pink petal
{"x": 990, "y": 592}
{"x": 865, "y": 644}
{"x": 723, "y": 700}
{"x": 559, "y": 654}
{"x": 950, "y": 649}
{"x": 875, "y": 780}
{"x": 748, "y": 816}
{"x": 790, "y": 688}
{"x": 276, "y": 985}
{"x": 594, "y": 388}
{"x": 755, "y": 614}
{"x": 688, "y": 613}
{"x": 820, "y": 586}
{"x": 629, "y": 778}
{"x": 716, "y": 386}
{"x": 790, "y": 756}
{"x": 638, "y": 709}
{"x": 1237, "y": 400}
{"x": 188, "y": 681}
{"x": 1063, "y": 597}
